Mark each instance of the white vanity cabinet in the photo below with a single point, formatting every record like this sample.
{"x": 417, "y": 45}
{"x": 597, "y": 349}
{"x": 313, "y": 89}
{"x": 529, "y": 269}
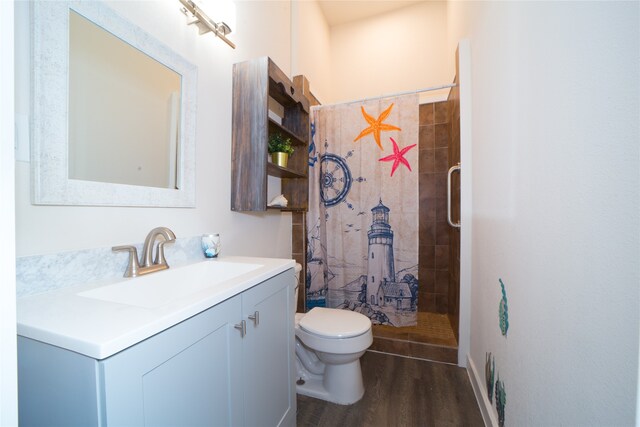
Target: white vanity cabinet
{"x": 204, "y": 371}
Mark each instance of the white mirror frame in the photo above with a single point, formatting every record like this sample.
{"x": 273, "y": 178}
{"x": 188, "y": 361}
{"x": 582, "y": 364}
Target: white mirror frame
{"x": 49, "y": 105}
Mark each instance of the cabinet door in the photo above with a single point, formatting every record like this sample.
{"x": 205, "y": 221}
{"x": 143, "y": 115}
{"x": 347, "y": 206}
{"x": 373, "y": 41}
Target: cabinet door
{"x": 184, "y": 376}
{"x": 269, "y": 398}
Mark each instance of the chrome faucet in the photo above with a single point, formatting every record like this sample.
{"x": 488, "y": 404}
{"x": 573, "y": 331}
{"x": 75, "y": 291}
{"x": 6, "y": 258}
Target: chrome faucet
{"x": 148, "y": 266}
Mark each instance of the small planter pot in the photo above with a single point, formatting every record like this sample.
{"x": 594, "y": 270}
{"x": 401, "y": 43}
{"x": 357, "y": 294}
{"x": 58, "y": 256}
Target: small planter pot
{"x": 280, "y": 159}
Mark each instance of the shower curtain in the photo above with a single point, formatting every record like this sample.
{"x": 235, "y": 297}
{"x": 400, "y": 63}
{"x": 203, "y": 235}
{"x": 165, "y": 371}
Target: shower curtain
{"x": 362, "y": 223}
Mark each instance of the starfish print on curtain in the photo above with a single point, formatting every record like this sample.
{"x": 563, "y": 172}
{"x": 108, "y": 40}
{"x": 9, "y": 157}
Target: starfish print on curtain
{"x": 376, "y": 126}
{"x": 397, "y": 156}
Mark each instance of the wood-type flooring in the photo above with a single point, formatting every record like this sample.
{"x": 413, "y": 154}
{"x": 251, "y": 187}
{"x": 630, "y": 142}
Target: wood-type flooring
{"x": 400, "y": 392}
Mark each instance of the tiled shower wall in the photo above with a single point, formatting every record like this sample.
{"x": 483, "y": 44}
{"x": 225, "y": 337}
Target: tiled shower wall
{"x": 434, "y": 251}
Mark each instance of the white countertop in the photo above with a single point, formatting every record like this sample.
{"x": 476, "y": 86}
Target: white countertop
{"x": 100, "y": 328}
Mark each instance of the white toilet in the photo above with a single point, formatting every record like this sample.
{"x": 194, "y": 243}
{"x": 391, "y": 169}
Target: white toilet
{"x": 329, "y": 344}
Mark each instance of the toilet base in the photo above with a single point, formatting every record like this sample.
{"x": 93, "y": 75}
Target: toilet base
{"x": 341, "y": 384}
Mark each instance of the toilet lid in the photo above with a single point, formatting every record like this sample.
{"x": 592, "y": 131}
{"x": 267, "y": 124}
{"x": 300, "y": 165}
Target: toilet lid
{"x": 331, "y": 322}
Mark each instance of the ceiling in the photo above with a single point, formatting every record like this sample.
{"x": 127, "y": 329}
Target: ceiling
{"x": 338, "y": 12}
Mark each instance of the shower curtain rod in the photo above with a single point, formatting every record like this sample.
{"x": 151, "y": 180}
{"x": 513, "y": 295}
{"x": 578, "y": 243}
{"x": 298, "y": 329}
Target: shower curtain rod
{"x": 389, "y": 95}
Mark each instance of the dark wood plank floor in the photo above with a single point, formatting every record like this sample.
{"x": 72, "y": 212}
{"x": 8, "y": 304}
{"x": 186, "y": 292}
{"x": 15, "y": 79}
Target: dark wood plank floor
{"x": 400, "y": 392}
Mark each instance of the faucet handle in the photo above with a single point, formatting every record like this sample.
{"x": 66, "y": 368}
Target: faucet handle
{"x": 133, "y": 266}
{"x": 160, "y": 259}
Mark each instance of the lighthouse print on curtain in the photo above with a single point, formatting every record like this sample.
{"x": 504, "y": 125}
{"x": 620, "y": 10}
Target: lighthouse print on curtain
{"x": 362, "y": 222}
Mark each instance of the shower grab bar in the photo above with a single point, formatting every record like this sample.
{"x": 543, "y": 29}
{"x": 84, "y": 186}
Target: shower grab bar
{"x": 452, "y": 169}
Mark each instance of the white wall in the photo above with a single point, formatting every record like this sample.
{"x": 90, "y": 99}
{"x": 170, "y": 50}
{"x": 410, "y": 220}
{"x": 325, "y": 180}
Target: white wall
{"x": 263, "y": 28}
{"x": 311, "y": 47}
{"x": 8, "y": 366}
{"x": 556, "y": 196}
{"x": 398, "y": 51}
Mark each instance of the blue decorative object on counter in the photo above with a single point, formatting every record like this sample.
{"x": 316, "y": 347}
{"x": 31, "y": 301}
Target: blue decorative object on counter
{"x": 504, "y": 311}
{"x": 211, "y": 245}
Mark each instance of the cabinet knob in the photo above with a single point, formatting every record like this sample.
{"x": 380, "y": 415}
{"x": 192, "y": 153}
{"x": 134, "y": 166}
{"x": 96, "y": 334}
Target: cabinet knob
{"x": 255, "y": 317}
{"x": 242, "y": 327}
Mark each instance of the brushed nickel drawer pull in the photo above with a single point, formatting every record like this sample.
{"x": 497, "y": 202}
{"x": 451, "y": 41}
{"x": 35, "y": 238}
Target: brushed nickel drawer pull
{"x": 255, "y": 317}
{"x": 242, "y": 327}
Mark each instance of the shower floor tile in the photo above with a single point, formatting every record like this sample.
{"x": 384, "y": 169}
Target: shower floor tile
{"x": 431, "y": 339}
{"x": 432, "y": 328}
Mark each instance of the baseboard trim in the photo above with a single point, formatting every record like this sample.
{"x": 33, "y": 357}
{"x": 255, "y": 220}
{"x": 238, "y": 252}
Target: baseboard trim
{"x": 479, "y": 389}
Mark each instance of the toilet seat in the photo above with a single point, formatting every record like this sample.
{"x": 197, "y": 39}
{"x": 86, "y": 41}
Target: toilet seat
{"x": 334, "y": 323}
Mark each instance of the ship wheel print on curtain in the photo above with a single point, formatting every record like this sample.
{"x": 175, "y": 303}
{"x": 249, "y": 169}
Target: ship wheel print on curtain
{"x": 336, "y": 179}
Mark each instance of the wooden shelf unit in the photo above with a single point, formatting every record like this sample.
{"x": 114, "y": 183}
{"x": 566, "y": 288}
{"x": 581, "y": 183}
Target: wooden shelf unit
{"x": 254, "y": 82}
{"x": 280, "y": 172}
{"x": 297, "y": 140}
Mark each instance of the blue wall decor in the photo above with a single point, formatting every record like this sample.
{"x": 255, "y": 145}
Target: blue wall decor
{"x": 501, "y": 400}
{"x": 503, "y": 311}
{"x": 489, "y": 374}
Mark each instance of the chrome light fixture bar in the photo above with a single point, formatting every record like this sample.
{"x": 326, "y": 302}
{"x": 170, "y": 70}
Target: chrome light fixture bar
{"x": 196, "y": 15}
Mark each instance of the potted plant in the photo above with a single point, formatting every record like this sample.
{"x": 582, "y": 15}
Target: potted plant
{"x": 280, "y": 149}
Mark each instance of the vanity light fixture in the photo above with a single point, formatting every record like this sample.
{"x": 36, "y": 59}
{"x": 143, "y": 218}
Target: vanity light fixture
{"x": 195, "y": 15}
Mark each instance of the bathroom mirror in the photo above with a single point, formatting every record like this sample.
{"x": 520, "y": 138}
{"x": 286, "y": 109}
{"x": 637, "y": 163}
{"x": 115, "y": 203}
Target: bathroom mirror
{"x": 106, "y": 73}
{"x": 113, "y": 111}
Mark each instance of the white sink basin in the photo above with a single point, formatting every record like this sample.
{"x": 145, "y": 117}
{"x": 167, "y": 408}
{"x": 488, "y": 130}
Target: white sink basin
{"x": 157, "y": 289}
